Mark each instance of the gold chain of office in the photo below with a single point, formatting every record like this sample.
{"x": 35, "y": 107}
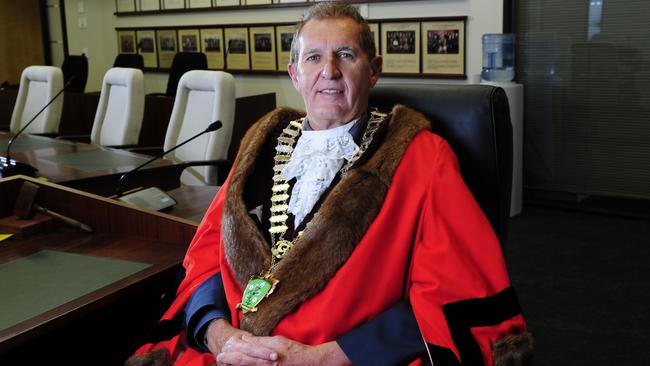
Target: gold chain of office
{"x": 280, "y": 190}
{"x": 260, "y": 287}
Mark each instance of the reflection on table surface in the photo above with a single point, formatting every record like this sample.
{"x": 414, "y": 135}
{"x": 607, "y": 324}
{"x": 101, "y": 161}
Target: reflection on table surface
{"x": 68, "y": 162}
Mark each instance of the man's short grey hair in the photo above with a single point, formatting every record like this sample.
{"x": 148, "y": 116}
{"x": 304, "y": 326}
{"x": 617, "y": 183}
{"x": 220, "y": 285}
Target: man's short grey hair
{"x": 335, "y": 9}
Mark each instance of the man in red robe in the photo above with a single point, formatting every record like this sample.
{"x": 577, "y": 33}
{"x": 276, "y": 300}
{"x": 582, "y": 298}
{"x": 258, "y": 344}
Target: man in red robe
{"x": 343, "y": 236}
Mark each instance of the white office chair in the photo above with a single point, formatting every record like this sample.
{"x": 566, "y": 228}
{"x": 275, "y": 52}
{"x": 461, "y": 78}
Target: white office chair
{"x": 202, "y": 97}
{"x": 38, "y": 85}
{"x": 118, "y": 119}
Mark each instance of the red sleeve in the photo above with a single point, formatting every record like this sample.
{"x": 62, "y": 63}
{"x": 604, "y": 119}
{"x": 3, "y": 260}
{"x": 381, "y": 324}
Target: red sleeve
{"x": 202, "y": 257}
{"x": 459, "y": 286}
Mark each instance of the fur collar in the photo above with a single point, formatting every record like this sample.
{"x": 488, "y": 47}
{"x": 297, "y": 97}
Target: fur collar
{"x": 319, "y": 252}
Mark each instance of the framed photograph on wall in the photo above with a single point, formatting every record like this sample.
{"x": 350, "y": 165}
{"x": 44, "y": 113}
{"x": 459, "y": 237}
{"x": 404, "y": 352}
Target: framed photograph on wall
{"x": 124, "y": 6}
{"x": 188, "y": 40}
{"x": 400, "y": 47}
{"x": 126, "y": 42}
{"x": 147, "y": 48}
{"x": 167, "y": 47}
{"x": 443, "y": 47}
{"x": 236, "y": 41}
{"x": 283, "y": 39}
{"x": 226, "y": 3}
{"x": 374, "y": 30}
{"x": 262, "y": 41}
{"x": 199, "y": 4}
{"x": 173, "y": 4}
{"x": 149, "y": 5}
{"x": 212, "y": 47}
{"x": 257, "y": 2}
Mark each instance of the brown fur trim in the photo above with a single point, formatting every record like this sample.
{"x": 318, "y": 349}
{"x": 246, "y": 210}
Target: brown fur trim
{"x": 157, "y": 357}
{"x": 319, "y": 252}
{"x": 514, "y": 350}
{"x": 246, "y": 249}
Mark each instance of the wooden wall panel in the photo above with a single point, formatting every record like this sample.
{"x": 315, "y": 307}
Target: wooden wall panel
{"x": 21, "y": 38}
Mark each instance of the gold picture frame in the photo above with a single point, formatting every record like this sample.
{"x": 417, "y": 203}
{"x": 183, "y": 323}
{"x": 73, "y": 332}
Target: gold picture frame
{"x": 124, "y": 6}
{"x": 188, "y": 40}
{"x": 212, "y": 47}
{"x": 400, "y": 43}
{"x": 148, "y": 5}
{"x": 283, "y": 39}
{"x": 167, "y": 43}
{"x": 374, "y": 30}
{"x": 257, "y": 2}
{"x": 194, "y": 4}
{"x": 126, "y": 42}
{"x": 443, "y": 47}
{"x": 147, "y": 48}
{"x": 237, "y": 50}
{"x": 173, "y": 4}
{"x": 262, "y": 45}
{"x": 218, "y": 3}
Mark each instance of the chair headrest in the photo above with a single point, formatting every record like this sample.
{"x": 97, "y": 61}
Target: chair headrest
{"x": 43, "y": 73}
{"x": 132, "y": 60}
{"x": 75, "y": 66}
{"x": 123, "y": 76}
{"x": 206, "y": 80}
{"x": 190, "y": 61}
{"x": 182, "y": 63}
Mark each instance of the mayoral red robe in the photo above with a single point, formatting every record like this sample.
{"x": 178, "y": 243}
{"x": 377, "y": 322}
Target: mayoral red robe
{"x": 400, "y": 225}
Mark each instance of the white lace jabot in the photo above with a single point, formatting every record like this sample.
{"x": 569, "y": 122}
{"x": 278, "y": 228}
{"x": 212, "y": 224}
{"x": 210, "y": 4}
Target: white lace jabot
{"x": 315, "y": 160}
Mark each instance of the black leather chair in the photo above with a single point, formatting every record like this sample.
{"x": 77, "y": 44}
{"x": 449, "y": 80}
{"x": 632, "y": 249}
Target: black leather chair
{"x": 182, "y": 63}
{"x": 131, "y": 60}
{"x": 75, "y": 66}
{"x": 475, "y": 120}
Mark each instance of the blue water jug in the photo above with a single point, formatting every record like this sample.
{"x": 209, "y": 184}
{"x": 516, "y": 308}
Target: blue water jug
{"x": 498, "y": 57}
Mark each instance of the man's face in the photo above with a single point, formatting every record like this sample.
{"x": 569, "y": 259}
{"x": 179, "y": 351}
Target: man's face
{"x": 332, "y": 72}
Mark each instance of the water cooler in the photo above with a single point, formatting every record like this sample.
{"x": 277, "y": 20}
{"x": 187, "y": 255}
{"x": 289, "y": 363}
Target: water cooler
{"x": 498, "y": 70}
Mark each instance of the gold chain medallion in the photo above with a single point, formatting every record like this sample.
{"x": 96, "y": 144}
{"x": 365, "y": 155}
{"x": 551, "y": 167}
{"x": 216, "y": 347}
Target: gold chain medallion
{"x": 261, "y": 287}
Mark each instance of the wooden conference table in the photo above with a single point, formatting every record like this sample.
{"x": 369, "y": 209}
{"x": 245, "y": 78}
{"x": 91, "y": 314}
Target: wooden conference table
{"x": 88, "y": 167}
{"x": 99, "y": 293}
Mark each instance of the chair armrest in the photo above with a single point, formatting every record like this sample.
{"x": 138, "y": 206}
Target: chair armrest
{"x": 75, "y": 138}
{"x": 223, "y": 167}
{"x": 217, "y": 163}
{"x": 147, "y": 150}
{"x": 125, "y": 146}
{"x": 49, "y": 134}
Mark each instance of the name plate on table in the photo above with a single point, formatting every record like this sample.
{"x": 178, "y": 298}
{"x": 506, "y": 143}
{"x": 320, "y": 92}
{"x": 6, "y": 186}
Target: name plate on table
{"x": 151, "y": 198}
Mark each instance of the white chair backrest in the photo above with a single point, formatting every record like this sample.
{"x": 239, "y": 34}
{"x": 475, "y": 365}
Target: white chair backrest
{"x": 38, "y": 85}
{"x": 118, "y": 119}
{"x": 202, "y": 97}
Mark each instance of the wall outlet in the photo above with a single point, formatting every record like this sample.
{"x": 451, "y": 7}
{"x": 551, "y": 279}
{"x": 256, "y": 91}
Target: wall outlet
{"x": 80, "y": 7}
{"x": 83, "y": 22}
{"x": 85, "y": 51}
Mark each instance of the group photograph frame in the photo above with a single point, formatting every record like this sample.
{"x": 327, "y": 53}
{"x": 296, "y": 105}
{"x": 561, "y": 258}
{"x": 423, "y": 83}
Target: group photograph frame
{"x": 428, "y": 47}
{"x": 422, "y": 47}
{"x": 443, "y": 47}
{"x": 213, "y": 47}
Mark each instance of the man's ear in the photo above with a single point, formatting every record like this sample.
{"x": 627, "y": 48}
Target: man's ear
{"x": 292, "y": 69}
{"x": 375, "y": 69}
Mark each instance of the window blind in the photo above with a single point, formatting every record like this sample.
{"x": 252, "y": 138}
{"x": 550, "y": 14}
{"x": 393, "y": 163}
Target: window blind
{"x": 586, "y": 70}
